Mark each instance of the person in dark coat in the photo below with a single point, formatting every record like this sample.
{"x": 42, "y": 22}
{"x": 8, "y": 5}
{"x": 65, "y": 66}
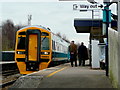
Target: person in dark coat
{"x": 73, "y": 53}
{"x": 82, "y": 54}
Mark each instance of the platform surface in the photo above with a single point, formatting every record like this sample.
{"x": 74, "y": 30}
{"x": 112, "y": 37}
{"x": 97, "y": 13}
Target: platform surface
{"x": 65, "y": 76}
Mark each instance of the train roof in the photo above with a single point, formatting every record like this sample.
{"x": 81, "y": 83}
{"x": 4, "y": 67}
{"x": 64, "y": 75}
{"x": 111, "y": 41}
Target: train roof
{"x": 39, "y": 26}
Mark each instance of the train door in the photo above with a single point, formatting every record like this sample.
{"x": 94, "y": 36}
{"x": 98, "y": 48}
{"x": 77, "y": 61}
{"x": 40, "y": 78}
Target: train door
{"x": 33, "y": 38}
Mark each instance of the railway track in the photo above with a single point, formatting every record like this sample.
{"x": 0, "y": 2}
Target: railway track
{"x": 7, "y": 81}
{"x": 9, "y": 72}
{"x": 8, "y": 78}
{"x": 3, "y": 85}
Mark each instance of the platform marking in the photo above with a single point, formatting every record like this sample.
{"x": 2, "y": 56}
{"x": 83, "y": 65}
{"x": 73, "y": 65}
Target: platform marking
{"x": 55, "y": 72}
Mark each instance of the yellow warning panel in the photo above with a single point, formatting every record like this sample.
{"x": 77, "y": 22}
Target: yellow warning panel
{"x": 32, "y": 50}
{"x": 43, "y": 65}
{"x": 22, "y": 68}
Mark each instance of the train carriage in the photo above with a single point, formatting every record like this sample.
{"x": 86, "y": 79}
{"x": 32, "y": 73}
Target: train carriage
{"x": 36, "y": 47}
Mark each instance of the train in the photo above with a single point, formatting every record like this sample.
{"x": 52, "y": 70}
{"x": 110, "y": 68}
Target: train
{"x": 37, "y": 47}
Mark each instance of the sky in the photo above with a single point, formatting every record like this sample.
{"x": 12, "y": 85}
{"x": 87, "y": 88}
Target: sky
{"x": 58, "y": 16}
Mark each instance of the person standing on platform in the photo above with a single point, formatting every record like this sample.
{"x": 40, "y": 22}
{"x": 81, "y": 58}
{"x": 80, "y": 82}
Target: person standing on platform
{"x": 73, "y": 53}
{"x": 82, "y": 54}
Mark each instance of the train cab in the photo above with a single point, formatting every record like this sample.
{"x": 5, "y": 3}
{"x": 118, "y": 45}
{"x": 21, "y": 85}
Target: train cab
{"x": 33, "y": 49}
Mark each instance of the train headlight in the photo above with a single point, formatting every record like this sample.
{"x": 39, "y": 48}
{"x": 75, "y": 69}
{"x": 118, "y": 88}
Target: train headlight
{"x": 20, "y": 52}
{"x": 45, "y": 53}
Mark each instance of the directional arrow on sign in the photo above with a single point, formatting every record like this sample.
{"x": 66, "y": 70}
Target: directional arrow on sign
{"x": 101, "y": 6}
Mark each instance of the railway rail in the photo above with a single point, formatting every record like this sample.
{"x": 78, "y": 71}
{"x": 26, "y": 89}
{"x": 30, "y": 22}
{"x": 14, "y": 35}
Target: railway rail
{"x": 3, "y": 85}
{"x": 8, "y": 78}
{"x": 8, "y": 65}
{"x": 9, "y": 72}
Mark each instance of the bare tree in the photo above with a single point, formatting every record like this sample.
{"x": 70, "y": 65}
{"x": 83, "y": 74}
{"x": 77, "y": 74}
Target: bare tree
{"x": 19, "y": 26}
{"x": 59, "y": 34}
{"x": 8, "y": 35}
{"x": 63, "y": 37}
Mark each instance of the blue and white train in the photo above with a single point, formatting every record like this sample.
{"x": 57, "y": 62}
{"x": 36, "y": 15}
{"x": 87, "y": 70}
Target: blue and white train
{"x": 37, "y": 47}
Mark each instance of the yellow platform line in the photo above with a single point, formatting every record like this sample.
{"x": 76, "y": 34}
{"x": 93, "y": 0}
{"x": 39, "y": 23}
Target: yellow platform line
{"x": 55, "y": 72}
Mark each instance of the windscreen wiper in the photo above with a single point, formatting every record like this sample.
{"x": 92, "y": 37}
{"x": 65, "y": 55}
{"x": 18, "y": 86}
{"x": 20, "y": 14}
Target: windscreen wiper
{"x": 43, "y": 39}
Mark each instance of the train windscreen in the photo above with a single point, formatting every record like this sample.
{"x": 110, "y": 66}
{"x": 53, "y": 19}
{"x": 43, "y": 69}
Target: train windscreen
{"x": 45, "y": 43}
{"x": 21, "y": 43}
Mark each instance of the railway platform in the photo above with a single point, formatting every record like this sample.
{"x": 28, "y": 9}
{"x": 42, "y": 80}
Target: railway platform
{"x": 65, "y": 76}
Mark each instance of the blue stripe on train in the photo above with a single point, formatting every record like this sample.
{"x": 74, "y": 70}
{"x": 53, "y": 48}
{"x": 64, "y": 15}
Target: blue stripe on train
{"x": 60, "y": 55}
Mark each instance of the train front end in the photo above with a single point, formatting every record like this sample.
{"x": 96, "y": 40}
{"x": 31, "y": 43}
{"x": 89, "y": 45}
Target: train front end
{"x": 33, "y": 49}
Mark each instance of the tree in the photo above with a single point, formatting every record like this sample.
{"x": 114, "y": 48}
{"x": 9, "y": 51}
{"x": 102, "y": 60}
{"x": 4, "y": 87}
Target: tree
{"x": 59, "y": 34}
{"x": 8, "y": 35}
{"x": 63, "y": 37}
{"x": 19, "y": 26}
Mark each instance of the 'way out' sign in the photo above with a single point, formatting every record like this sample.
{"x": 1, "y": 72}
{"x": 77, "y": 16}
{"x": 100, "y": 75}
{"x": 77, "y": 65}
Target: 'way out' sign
{"x": 87, "y": 6}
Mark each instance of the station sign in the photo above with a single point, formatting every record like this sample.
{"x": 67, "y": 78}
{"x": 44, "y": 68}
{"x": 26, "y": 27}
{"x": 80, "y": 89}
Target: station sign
{"x": 87, "y": 6}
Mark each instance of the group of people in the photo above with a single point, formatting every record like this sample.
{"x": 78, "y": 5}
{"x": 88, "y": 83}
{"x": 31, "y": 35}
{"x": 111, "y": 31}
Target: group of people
{"x": 80, "y": 51}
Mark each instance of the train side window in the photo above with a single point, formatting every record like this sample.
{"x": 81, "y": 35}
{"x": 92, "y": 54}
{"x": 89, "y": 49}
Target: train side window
{"x": 21, "y": 43}
{"x": 54, "y": 46}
